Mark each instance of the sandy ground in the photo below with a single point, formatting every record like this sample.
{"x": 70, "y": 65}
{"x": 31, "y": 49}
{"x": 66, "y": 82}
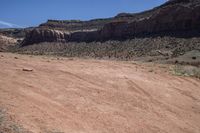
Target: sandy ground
{"x": 93, "y": 96}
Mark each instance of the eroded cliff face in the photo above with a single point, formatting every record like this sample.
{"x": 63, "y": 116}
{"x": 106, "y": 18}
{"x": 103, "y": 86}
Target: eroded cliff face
{"x": 75, "y": 25}
{"x": 44, "y": 35}
{"x": 48, "y": 35}
{"x": 173, "y": 16}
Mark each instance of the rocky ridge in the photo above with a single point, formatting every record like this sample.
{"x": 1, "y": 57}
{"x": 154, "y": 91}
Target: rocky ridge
{"x": 173, "y": 16}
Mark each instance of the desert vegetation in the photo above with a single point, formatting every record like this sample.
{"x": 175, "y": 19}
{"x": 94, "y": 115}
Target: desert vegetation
{"x": 154, "y": 48}
{"x": 185, "y": 70}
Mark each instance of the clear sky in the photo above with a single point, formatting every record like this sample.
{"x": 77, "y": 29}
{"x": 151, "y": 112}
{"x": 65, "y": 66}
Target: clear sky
{"x": 25, "y": 13}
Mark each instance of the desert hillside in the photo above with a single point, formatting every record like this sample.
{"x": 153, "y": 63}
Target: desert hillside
{"x": 168, "y": 33}
{"x": 130, "y": 73}
{"x": 51, "y": 95}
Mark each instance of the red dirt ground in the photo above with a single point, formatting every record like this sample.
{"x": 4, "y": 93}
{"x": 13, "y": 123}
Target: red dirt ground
{"x": 96, "y": 96}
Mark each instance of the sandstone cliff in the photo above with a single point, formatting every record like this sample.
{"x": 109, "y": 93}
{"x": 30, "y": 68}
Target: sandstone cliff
{"x": 173, "y": 16}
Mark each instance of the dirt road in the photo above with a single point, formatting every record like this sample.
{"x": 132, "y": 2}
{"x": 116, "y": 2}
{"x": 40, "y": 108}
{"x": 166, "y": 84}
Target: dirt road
{"x": 93, "y": 96}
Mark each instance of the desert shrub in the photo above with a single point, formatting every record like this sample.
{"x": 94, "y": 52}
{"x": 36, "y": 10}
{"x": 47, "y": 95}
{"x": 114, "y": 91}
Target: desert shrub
{"x": 114, "y": 49}
{"x": 186, "y": 71}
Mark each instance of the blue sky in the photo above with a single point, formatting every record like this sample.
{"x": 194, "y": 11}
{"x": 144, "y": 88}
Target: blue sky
{"x": 25, "y": 13}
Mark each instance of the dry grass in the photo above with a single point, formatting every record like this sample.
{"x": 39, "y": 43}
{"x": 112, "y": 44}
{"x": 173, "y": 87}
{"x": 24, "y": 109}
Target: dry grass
{"x": 190, "y": 71}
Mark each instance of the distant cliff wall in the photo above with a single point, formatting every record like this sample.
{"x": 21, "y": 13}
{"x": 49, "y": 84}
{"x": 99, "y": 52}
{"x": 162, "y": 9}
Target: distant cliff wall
{"x": 173, "y": 16}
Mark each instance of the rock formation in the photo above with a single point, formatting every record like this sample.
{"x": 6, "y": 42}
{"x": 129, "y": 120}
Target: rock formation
{"x": 75, "y": 25}
{"x": 17, "y": 33}
{"x": 5, "y": 42}
{"x": 173, "y": 16}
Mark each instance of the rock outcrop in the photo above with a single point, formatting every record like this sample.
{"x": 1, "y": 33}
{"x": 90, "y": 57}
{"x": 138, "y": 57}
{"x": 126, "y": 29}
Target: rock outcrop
{"x": 48, "y": 35}
{"x": 75, "y": 25}
{"x": 17, "y": 33}
{"x": 44, "y": 35}
{"x": 5, "y": 42}
{"x": 173, "y": 16}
